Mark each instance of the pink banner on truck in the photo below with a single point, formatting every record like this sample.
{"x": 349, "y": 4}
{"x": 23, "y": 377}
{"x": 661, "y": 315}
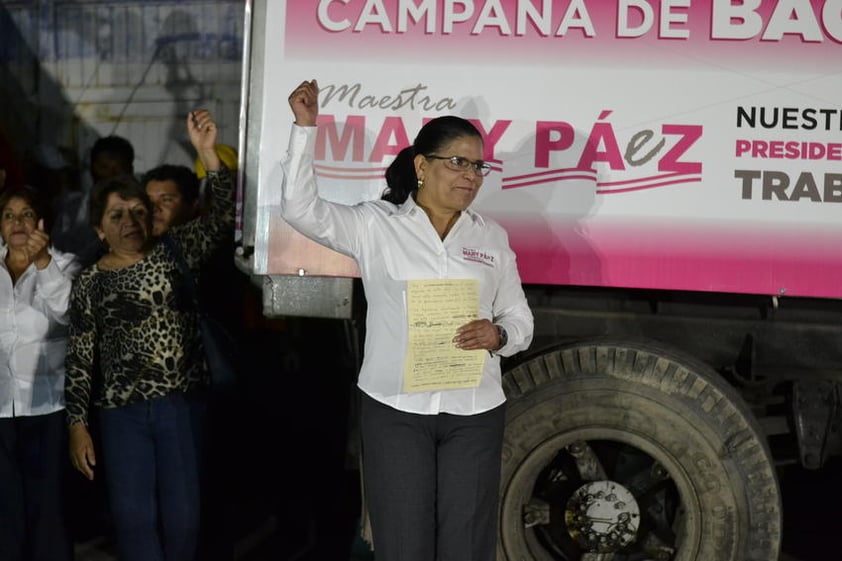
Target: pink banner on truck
{"x": 635, "y": 143}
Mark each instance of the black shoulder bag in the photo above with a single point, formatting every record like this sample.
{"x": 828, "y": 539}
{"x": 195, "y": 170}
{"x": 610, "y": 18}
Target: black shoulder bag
{"x": 220, "y": 347}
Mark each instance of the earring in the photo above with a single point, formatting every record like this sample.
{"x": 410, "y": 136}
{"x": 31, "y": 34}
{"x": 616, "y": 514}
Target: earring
{"x": 420, "y": 183}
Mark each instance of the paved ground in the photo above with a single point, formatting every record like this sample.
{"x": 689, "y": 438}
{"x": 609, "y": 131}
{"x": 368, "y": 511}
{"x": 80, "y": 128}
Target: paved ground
{"x": 260, "y": 545}
{"x": 300, "y": 533}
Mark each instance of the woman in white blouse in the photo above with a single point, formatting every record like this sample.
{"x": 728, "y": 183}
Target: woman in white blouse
{"x": 35, "y": 285}
{"x": 432, "y": 435}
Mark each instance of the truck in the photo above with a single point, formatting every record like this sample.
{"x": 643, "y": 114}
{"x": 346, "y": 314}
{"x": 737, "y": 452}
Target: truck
{"x": 668, "y": 174}
{"x": 666, "y": 170}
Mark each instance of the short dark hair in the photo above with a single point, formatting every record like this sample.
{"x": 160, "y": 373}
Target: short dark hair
{"x": 125, "y": 186}
{"x": 33, "y": 197}
{"x": 401, "y": 179}
{"x": 115, "y": 145}
{"x": 183, "y": 177}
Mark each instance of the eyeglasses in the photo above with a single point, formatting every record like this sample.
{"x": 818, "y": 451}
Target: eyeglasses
{"x": 458, "y": 163}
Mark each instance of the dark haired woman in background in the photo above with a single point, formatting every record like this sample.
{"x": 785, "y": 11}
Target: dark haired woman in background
{"x": 35, "y": 282}
{"x": 431, "y": 459}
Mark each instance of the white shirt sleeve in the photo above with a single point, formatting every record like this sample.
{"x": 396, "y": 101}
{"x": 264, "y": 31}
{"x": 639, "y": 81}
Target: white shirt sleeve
{"x": 510, "y": 307}
{"x": 52, "y": 286}
{"x": 337, "y": 226}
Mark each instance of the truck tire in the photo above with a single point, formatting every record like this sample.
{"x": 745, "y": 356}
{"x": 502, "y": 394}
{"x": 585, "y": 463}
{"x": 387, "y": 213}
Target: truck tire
{"x": 632, "y": 451}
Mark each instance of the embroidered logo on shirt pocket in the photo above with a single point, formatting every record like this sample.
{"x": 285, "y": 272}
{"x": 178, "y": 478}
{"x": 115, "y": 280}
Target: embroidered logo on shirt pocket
{"x": 479, "y": 256}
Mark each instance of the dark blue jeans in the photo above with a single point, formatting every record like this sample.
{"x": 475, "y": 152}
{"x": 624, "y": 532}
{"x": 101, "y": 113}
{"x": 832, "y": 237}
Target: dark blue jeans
{"x": 33, "y": 460}
{"x": 152, "y": 452}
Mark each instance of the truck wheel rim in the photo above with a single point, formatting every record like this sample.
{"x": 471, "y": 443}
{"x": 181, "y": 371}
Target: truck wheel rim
{"x": 541, "y": 493}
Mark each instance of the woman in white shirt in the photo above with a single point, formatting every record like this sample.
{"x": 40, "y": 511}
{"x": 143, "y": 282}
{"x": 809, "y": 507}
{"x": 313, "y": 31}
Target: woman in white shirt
{"x": 35, "y": 285}
{"x": 431, "y": 447}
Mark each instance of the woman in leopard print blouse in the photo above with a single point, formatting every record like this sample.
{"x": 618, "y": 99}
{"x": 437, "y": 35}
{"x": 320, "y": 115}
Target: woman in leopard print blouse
{"x": 128, "y": 318}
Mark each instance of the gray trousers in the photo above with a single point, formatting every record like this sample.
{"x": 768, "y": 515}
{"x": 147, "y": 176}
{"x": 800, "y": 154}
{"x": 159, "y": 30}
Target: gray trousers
{"x": 431, "y": 483}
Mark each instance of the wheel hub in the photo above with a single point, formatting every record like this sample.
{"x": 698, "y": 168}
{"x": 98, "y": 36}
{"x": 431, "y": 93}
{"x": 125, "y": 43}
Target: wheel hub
{"x": 602, "y": 516}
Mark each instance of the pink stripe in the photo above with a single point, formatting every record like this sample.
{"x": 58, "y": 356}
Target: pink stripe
{"x": 357, "y": 177}
{"x": 550, "y": 180}
{"x": 344, "y": 168}
{"x": 649, "y": 186}
{"x": 549, "y": 172}
{"x": 640, "y": 179}
{"x": 793, "y": 260}
{"x": 306, "y": 39}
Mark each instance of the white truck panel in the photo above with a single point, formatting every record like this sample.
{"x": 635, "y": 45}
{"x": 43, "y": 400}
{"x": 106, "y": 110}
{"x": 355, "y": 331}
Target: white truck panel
{"x": 636, "y": 143}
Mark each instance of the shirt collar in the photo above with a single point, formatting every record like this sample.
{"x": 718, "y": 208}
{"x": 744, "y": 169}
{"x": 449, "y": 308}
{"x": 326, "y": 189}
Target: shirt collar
{"x": 409, "y": 207}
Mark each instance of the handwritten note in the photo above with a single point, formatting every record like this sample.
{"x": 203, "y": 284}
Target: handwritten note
{"x": 435, "y": 309}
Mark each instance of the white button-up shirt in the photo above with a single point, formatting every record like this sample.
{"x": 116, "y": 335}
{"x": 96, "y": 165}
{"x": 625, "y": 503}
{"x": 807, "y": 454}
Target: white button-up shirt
{"x": 393, "y": 244}
{"x": 33, "y": 336}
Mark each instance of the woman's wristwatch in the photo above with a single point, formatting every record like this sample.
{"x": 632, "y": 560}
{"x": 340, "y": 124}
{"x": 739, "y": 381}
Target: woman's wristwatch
{"x": 502, "y": 335}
